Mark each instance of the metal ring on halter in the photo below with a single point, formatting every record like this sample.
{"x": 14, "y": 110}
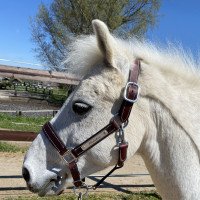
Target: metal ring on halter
{"x": 121, "y": 135}
{"x": 77, "y": 193}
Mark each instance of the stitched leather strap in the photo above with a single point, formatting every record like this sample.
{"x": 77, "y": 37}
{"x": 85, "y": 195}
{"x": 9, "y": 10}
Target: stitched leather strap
{"x": 95, "y": 139}
{"x": 54, "y": 139}
{"x": 132, "y": 92}
{"x": 122, "y": 153}
{"x": 75, "y": 174}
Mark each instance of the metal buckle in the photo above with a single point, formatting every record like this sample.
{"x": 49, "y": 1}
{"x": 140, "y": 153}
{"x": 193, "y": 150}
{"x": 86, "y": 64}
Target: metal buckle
{"x": 125, "y": 92}
{"x": 69, "y": 157}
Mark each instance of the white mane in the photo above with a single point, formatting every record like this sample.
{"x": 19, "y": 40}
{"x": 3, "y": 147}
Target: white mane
{"x": 84, "y": 53}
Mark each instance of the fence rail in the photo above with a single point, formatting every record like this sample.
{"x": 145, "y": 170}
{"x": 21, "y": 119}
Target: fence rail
{"x": 10, "y": 135}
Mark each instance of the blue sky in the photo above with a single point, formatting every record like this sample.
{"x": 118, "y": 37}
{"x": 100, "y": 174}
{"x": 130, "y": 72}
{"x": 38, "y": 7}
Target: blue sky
{"x": 179, "y": 22}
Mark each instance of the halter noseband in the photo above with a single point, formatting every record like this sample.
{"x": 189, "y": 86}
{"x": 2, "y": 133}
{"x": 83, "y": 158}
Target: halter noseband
{"x": 117, "y": 123}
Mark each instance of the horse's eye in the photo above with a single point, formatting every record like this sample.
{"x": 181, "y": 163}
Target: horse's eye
{"x": 81, "y": 108}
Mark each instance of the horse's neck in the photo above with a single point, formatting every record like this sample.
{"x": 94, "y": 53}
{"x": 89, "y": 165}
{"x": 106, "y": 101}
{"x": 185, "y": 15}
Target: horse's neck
{"x": 171, "y": 147}
{"x": 179, "y": 96}
{"x": 170, "y": 156}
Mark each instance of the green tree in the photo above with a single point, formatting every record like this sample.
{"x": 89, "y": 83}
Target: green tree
{"x": 55, "y": 26}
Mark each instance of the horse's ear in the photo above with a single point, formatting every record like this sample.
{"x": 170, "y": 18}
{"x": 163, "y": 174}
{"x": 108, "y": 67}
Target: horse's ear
{"x": 104, "y": 40}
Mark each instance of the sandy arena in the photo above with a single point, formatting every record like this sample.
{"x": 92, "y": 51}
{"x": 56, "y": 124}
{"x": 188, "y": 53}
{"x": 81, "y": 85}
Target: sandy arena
{"x": 12, "y": 184}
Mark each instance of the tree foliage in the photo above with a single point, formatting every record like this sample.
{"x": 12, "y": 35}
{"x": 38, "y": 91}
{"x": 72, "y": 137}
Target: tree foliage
{"x": 54, "y": 26}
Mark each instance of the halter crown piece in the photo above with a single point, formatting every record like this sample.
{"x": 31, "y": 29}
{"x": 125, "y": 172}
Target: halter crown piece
{"x": 117, "y": 124}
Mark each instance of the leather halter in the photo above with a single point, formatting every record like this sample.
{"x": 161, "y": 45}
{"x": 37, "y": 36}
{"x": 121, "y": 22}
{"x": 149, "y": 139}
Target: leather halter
{"x": 116, "y": 124}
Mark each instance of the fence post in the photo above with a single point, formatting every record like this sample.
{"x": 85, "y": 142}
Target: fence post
{"x": 54, "y": 112}
{"x": 18, "y": 113}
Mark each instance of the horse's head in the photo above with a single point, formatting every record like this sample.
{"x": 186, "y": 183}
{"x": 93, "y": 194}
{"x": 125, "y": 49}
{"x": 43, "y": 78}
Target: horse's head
{"x": 88, "y": 109}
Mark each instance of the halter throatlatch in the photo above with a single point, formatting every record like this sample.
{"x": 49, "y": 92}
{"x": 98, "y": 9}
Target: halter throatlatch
{"x": 117, "y": 124}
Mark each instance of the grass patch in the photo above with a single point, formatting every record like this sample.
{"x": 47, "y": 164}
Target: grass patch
{"x": 113, "y": 196}
{"x": 19, "y": 123}
{"x": 6, "y": 147}
{"x": 22, "y": 123}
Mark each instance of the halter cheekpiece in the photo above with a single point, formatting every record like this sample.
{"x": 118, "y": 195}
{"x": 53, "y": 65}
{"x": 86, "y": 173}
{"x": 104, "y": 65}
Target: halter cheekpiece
{"x": 116, "y": 124}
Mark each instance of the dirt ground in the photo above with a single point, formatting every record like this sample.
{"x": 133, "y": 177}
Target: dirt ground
{"x": 12, "y": 184}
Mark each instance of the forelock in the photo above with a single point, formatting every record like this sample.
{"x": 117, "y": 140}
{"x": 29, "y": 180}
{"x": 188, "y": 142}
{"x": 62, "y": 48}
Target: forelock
{"x": 83, "y": 54}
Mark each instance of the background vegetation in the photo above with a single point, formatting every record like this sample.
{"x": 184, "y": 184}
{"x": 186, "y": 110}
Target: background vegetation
{"x": 55, "y": 26}
{"x": 55, "y": 95}
{"x": 22, "y": 123}
{"x": 12, "y": 148}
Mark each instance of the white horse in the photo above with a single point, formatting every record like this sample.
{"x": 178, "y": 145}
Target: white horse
{"x": 163, "y": 126}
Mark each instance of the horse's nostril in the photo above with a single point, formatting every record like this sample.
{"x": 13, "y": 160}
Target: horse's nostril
{"x": 25, "y": 174}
